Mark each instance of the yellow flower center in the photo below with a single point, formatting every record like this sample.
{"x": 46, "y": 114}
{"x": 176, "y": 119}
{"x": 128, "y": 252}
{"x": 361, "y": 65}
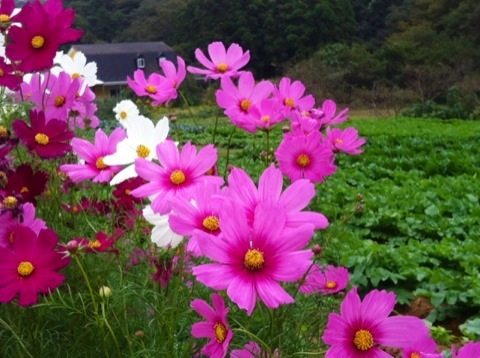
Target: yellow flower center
{"x": 123, "y": 115}
{"x": 1, "y": 72}
{"x": 177, "y": 177}
{"x": 363, "y": 340}
{"x": 24, "y": 190}
{"x": 222, "y": 68}
{"x": 331, "y": 285}
{"x": 3, "y": 132}
{"x": 211, "y": 223}
{"x": 76, "y": 75}
{"x": 254, "y": 260}
{"x": 220, "y": 332}
{"x": 11, "y": 237}
{"x": 4, "y": 18}
{"x": 143, "y": 151}
{"x": 151, "y": 89}
{"x": 303, "y": 160}
{"x": 338, "y": 141}
{"x": 38, "y": 42}
{"x": 265, "y": 119}
{"x": 25, "y": 268}
{"x": 289, "y": 102}
{"x": 94, "y": 244}
{"x": 41, "y": 139}
{"x": 245, "y": 105}
{"x": 415, "y": 355}
{"x": 10, "y": 202}
{"x": 59, "y": 101}
{"x": 127, "y": 191}
{"x": 100, "y": 164}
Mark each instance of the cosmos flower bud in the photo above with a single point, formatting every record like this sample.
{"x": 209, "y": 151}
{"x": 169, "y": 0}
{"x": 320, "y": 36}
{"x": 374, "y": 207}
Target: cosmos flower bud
{"x": 105, "y": 292}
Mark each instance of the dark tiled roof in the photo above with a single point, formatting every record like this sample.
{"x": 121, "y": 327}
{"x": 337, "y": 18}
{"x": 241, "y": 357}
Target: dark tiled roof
{"x": 116, "y": 61}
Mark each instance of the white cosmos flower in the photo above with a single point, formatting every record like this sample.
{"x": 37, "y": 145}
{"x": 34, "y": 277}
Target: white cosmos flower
{"x": 76, "y": 66}
{"x": 126, "y": 111}
{"x": 142, "y": 139}
{"x": 162, "y": 234}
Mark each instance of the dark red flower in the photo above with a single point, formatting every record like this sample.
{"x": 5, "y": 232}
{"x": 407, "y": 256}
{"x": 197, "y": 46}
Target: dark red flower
{"x": 48, "y": 139}
{"x": 6, "y": 10}
{"x": 123, "y": 190}
{"x": 27, "y": 183}
{"x": 101, "y": 243}
{"x": 8, "y": 78}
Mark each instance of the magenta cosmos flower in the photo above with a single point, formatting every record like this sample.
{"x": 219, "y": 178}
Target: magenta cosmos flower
{"x": 93, "y": 154}
{"x": 346, "y": 140}
{"x": 291, "y": 95}
{"x": 469, "y": 350}
{"x": 326, "y": 114}
{"x": 240, "y": 102}
{"x": 301, "y": 156}
{"x": 242, "y": 190}
{"x": 424, "y": 346}
{"x": 62, "y": 96}
{"x": 250, "y": 350}
{"x": 198, "y": 213}
{"x": 173, "y": 79}
{"x": 250, "y": 262}
{"x": 8, "y": 77}
{"x": 178, "y": 173}
{"x": 155, "y": 86}
{"x": 364, "y": 325}
{"x": 224, "y": 63}
{"x": 43, "y": 28}
{"x": 31, "y": 266}
{"x": 215, "y": 327}
{"x": 47, "y": 139}
{"x": 325, "y": 280}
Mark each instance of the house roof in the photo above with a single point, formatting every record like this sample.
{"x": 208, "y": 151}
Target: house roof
{"x": 116, "y": 61}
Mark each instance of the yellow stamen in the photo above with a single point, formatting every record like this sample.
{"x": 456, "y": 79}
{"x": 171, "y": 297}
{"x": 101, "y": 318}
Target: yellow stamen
{"x": 24, "y": 190}
{"x": 245, "y": 105}
{"x": 127, "y": 191}
{"x": 338, "y": 141}
{"x": 289, "y": 102}
{"x": 25, "y": 268}
{"x": 177, "y": 177}
{"x": 254, "y": 260}
{"x": 363, "y": 340}
{"x": 3, "y": 132}
{"x": 100, "y": 164}
{"x": 151, "y": 89}
{"x": 59, "y": 101}
{"x": 415, "y": 355}
{"x": 211, "y": 223}
{"x": 143, "y": 151}
{"x": 41, "y": 139}
{"x": 4, "y": 18}
{"x": 123, "y": 115}
{"x": 94, "y": 244}
{"x": 76, "y": 75}
{"x": 222, "y": 68}
{"x": 1, "y": 72}
{"x": 265, "y": 119}
{"x": 38, "y": 42}
{"x": 11, "y": 237}
{"x": 331, "y": 285}
{"x": 303, "y": 160}
{"x": 220, "y": 332}
{"x": 10, "y": 202}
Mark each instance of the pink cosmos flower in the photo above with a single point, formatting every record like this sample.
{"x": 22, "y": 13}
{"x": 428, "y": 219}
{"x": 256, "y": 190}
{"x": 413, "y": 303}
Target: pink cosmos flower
{"x": 94, "y": 167}
{"x": 240, "y": 102}
{"x": 423, "y": 346}
{"x": 9, "y": 224}
{"x": 303, "y": 123}
{"x": 101, "y": 243}
{"x": 215, "y": 327}
{"x": 267, "y": 114}
{"x": 346, "y": 140}
{"x": 8, "y": 78}
{"x": 47, "y": 139}
{"x": 364, "y": 325}
{"x": 178, "y": 173}
{"x": 326, "y": 114}
{"x": 250, "y": 350}
{"x": 224, "y": 63}
{"x": 296, "y": 197}
{"x": 173, "y": 79}
{"x": 154, "y": 86}
{"x": 306, "y": 157}
{"x": 250, "y": 262}
{"x": 62, "y": 96}
{"x": 6, "y": 10}
{"x": 291, "y": 95}
{"x": 198, "y": 213}
{"x": 469, "y": 350}
{"x": 31, "y": 266}
{"x": 325, "y": 280}
{"x": 41, "y": 30}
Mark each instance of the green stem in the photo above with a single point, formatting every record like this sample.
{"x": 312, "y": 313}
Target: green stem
{"x": 19, "y": 340}
{"x": 105, "y": 320}
{"x": 215, "y": 129}
{"x": 189, "y": 109}
{"x": 228, "y": 153}
{"x": 255, "y": 338}
{"x": 85, "y": 276}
